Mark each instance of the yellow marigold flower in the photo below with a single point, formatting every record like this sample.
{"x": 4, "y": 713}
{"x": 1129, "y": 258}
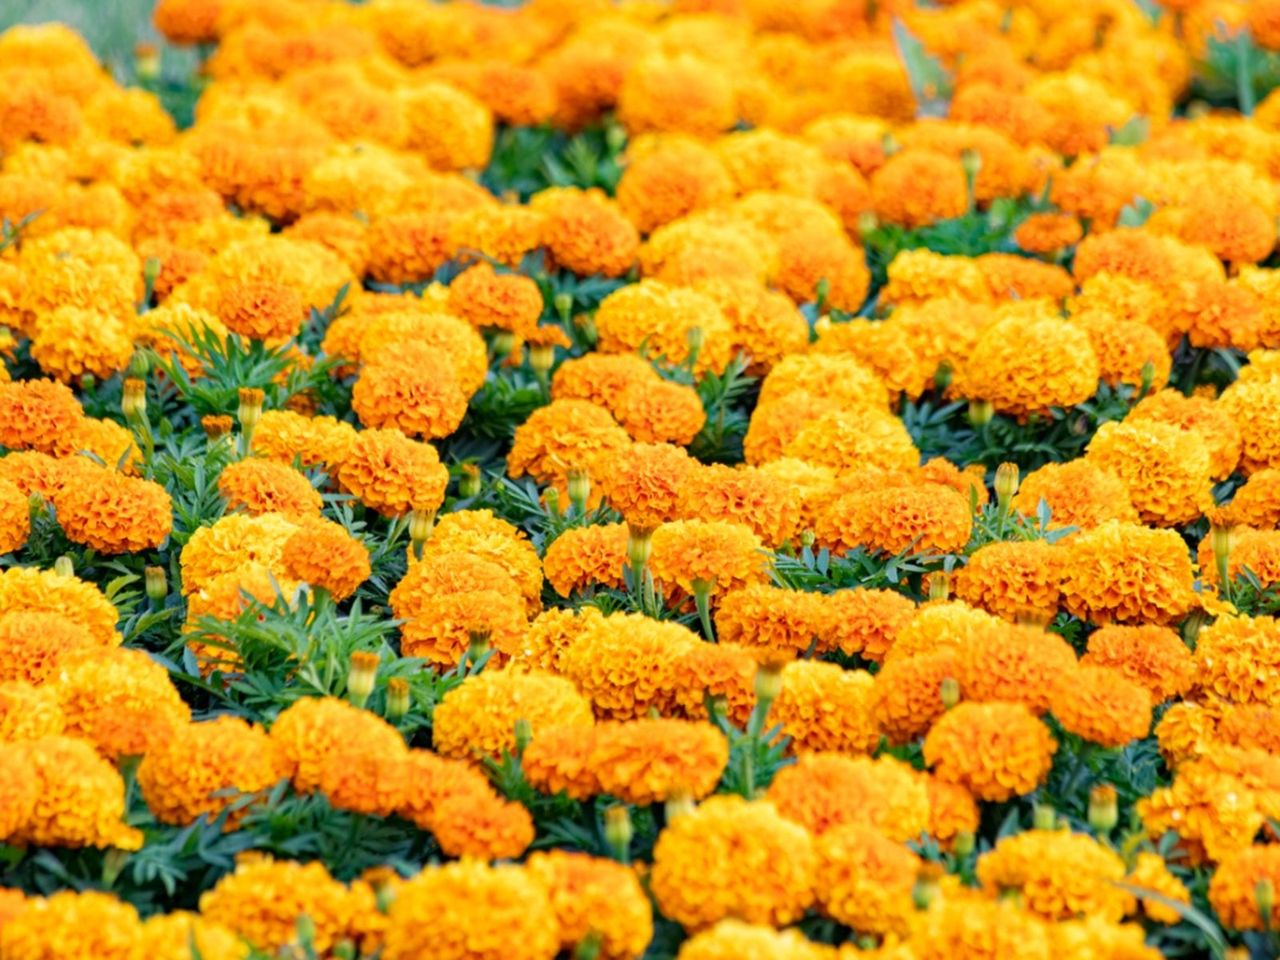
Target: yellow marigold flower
{"x": 34, "y": 644}
{"x": 47, "y": 591}
{"x": 1152, "y": 656}
{"x": 496, "y": 301}
{"x": 1256, "y": 504}
{"x": 660, "y": 321}
{"x": 1257, "y": 551}
{"x": 825, "y": 707}
{"x": 1078, "y": 494}
{"x": 1234, "y": 657}
{"x": 37, "y": 415}
{"x": 661, "y": 412}
{"x": 917, "y": 187}
{"x": 41, "y": 474}
{"x": 699, "y": 248}
{"x": 309, "y": 731}
{"x": 1048, "y": 232}
{"x": 916, "y": 276}
{"x": 485, "y": 827}
{"x": 646, "y": 761}
{"x": 282, "y": 435}
{"x": 346, "y": 236}
{"x": 1027, "y": 364}
{"x": 1102, "y": 706}
{"x": 943, "y": 623}
{"x": 564, "y": 435}
{"x": 120, "y": 700}
{"x": 232, "y": 542}
{"x": 1060, "y": 874}
{"x": 1213, "y": 813}
{"x": 865, "y": 880}
{"x": 583, "y": 557}
{"x": 15, "y": 517}
{"x": 323, "y": 554}
{"x": 409, "y": 247}
{"x": 367, "y": 776}
{"x": 550, "y": 633}
{"x": 1187, "y": 729}
{"x": 1128, "y": 352}
{"x": 850, "y": 440}
{"x": 504, "y": 232}
{"x": 677, "y": 94}
{"x": 448, "y": 127}
{"x": 1011, "y": 579}
{"x": 478, "y": 717}
{"x": 595, "y": 898}
{"x": 80, "y": 796}
{"x": 472, "y": 911}
{"x": 601, "y": 378}
{"x": 587, "y": 234}
{"x": 188, "y": 774}
{"x": 776, "y": 622}
{"x": 767, "y": 325}
{"x": 72, "y": 924}
{"x": 1149, "y": 872}
{"x": 1197, "y": 415}
{"x": 263, "y": 899}
{"x": 1012, "y": 277}
{"x": 486, "y": 537}
{"x": 1014, "y": 664}
{"x": 928, "y": 518}
{"x": 824, "y": 791}
{"x": 390, "y": 330}
{"x": 1125, "y": 573}
{"x": 1233, "y": 891}
{"x": 643, "y": 482}
{"x": 731, "y": 939}
{"x": 446, "y": 598}
{"x": 1248, "y": 725}
{"x": 72, "y": 341}
{"x": 28, "y": 712}
{"x": 186, "y": 936}
{"x": 733, "y": 858}
{"x": 864, "y": 622}
{"x": 970, "y": 927}
{"x": 695, "y": 554}
{"x": 996, "y": 750}
{"x": 837, "y": 378}
{"x": 1255, "y": 408}
{"x": 558, "y": 760}
{"x": 412, "y": 388}
{"x": 952, "y": 811}
{"x": 392, "y": 474}
{"x": 625, "y": 664}
{"x": 883, "y": 347}
{"x": 263, "y": 486}
{"x": 1165, "y": 468}
{"x": 721, "y": 672}
{"x": 669, "y": 180}
{"x": 776, "y": 423}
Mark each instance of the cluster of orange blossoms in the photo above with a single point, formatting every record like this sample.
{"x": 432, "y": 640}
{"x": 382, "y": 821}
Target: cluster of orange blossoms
{"x": 356, "y": 461}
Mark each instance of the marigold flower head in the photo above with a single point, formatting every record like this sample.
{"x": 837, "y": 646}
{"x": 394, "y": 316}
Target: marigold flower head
{"x": 1165, "y": 468}
{"x": 1187, "y": 729}
{"x": 564, "y": 435}
{"x": 995, "y": 750}
{"x": 1011, "y": 579}
{"x": 952, "y": 811}
{"x": 767, "y": 325}
{"x": 368, "y": 776}
{"x": 479, "y": 716}
{"x": 926, "y": 518}
{"x": 392, "y": 474}
{"x": 501, "y": 301}
{"x": 1079, "y": 493}
{"x": 1213, "y": 813}
{"x": 37, "y": 414}
{"x": 323, "y": 554}
{"x": 261, "y": 310}
{"x": 186, "y": 936}
{"x": 1150, "y": 872}
{"x": 1048, "y": 232}
{"x": 1247, "y": 725}
{"x": 772, "y": 620}
{"x": 866, "y": 880}
{"x": 661, "y": 412}
{"x": 486, "y": 537}
{"x": 1013, "y": 663}
{"x": 80, "y": 796}
{"x": 659, "y": 320}
{"x": 1102, "y": 706}
{"x": 263, "y": 486}
{"x": 1234, "y": 656}
{"x": 191, "y": 772}
{"x": 1125, "y": 573}
{"x": 15, "y": 517}
{"x": 1257, "y": 551}
{"x": 646, "y": 761}
{"x": 1060, "y": 874}
{"x": 917, "y": 187}
{"x": 733, "y": 858}
{"x": 1152, "y": 656}
{"x": 734, "y": 938}
{"x": 587, "y": 234}
{"x": 473, "y": 911}
{"x": 601, "y": 378}
{"x": 412, "y": 388}
{"x": 47, "y": 591}
{"x": 713, "y": 555}
{"x": 850, "y": 440}
{"x": 1255, "y": 408}
{"x": 836, "y": 378}
{"x": 72, "y": 341}
{"x": 643, "y": 482}
{"x": 262, "y": 899}
{"x": 1233, "y": 891}
{"x": 385, "y": 334}
{"x": 72, "y": 923}
{"x": 593, "y": 897}
{"x": 28, "y": 712}
{"x": 501, "y": 231}
{"x": 447, "y": 126}
{"x": 34, "y": 644}
{"x": 558, "y": 760}
{"x": 583, "y": 557}
{"x": 825, "y": 791}
{"x": 959, "y": 927}
{"x": 824, "y": 707}
{"x": 676, "y": 94}
{"x": 282, "y": 435}
{"x": 231, "y": 542}
{"x": 721, "y": 673}
{"x": 114, "y": 513}
{"x": 309, "y": 731}
{"x": 669, "y": 179}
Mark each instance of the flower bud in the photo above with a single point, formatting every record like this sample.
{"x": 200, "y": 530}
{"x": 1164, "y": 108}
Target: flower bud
{"x": 523, "y": 734}
{"x": 250, "y": 412}
{"x": 579, "y": 489}
{"x": 504, "y": 341}
{"x": 397, "y": 698}
{"x": 696, "y": 337}
{"x": 1104, "y": 813}
{"x": 157, "y": 583}
{"x": 421, "y": 523}
{"x": 64, "y": 566}
{"x": 469, "y": 484}
{"x": 563, "y": 303}
{"x": 542, "y": 357}
{"x": 216, "y": 427}
{"x": 479, "y": 645}
{"x": 949, "y": 691}
{"x": 139, "y": 365}
{"x": 361, "y": 678}
{"x": 808, "y": 538}
{"x": 928, "y": 884}
{"x": 1264, "y": 893}
{"x": 639, "y": 546}
{"x": 971, "y": 162}
{"x": 868, "y": 223}
{"x": 1044, "y": 817}
{"x": 768, "y": 682}
{"x": 964, "y": 844}
{"x": 679, "y": 803}
{"x": 1006, "y": 483}
{"x": 151, "y": 272}
{"x": 939, "y": 585}
{"x": 1221, "y": 540}
{"x": 618, "y": 831}
{"x": 134, "y": 402}
{"x": 146, "y": 61}
{"x": 981, "y": 412}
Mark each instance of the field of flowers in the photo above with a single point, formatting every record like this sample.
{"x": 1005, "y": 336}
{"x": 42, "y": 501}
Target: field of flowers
{"x": 619, "y": 479}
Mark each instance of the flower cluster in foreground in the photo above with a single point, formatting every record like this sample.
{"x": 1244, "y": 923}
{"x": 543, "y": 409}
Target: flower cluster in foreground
{"x": 674, "y": 480}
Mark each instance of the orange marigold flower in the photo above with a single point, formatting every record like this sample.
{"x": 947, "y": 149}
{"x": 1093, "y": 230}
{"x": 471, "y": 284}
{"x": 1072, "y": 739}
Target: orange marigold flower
{"x": 995, "y": 750}
{"x": 952, "y": 811}
{"x": 767, "y": 325}
{"x": 1078, "y": 494}
{"x": 262, "y": 310}
{"x": 187, "y": 936}
{"x": 282, "y": 435}
{"x": 195, "y": 771}
{"x": 1048, "y": 232}
{"x": 643, "y": 482}
{"x": 733, "y": 858}
{"x": 646, "y": 761}
{"x": 410, "y": 387}
{"x": 707, "y": 554}
{"x": 47, "y": 591}
{"x": 733, "y": 938}
{"x": 1101, "y": 705}
{"x": 558, "y": 760}
{"x": 409, "y": 247}
{"x": 114, "y": 513}
{"x": 1200, "y": 416}
{"x": 264, "y": 486}
{"x": 323, "y": 554}
{"x": 1152, "y": 656}
{"x": 392, "y": 474}
{"x": 367, "y": 776}
{"x": 309, "y": 731}
{"x": 918, "y": 187}
{"x": 597, "y": 899}
{"x": 864, "y": 622}
{"x": 851, "y": 440}
{"x": 15, "y": 517}
{"x": 230, "y": 543}
{"x": 661, "y": 412}
{"x": 37, "y": 414}
{"x": 1011, "y": 579}
{"x": 1234, "y": 658}
{"x": 601, "y": 378}
{"x": 928, "y": 518}
{"x": 773, "y": 621}
{"x": 472, "y": 911}
{"x": 72, "y": 923}
{"x": 1165, "y": 468}
{"x": 1213, "y": 813}
{"x": 583, "y": 557}
{"x": 564, "y": 435}
{"x": 449, "y": 127}
{"x": 823, "y": 791}
{"x": 1233, "y": 891}
{"x": 72, "y": 341}
{"x": 1255, "y": 408}
{"x": 588, "y": 235}
{"x": 825, "y": 707}
{"x": 478, "y": 717}
{"x": 721, "y": 673}
{"x": 661, "y": 321}
{"x": 1125, "y": 573}
{"x": 672, "y": 179}
{"x": 1060, "y": 874}
{"x": 34, "y": 644}
{"x": 28, "y": 712}
{"x": 1248, "y": 725}
{"x": 1150, "y": 872}
{"x": 1013, "y": 664}
{"x": 865, "y": 880}
{"x": 500, "y": 301}
{"x": 677, "y": 94}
